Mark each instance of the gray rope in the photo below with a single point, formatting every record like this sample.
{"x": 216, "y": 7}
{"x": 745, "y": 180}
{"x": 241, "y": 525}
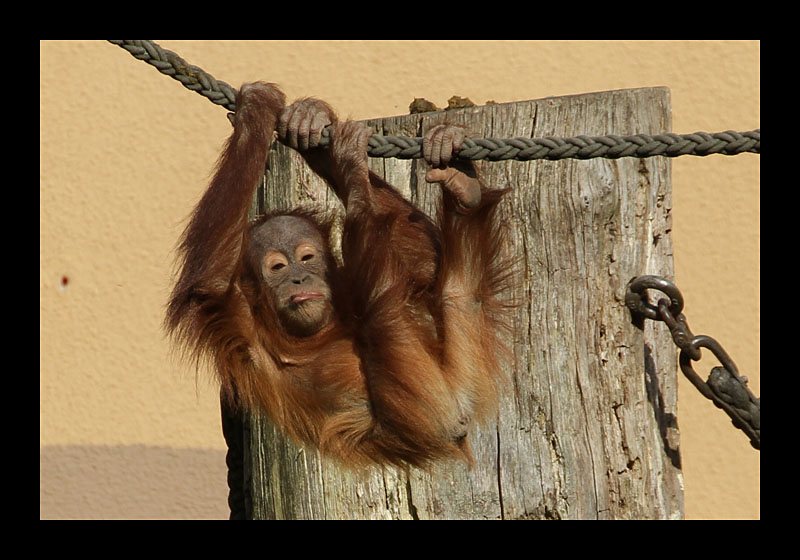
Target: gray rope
{"x": 192, "y": 77}
{"x": 580, "y": 147}
{"x": 728, "y": 143}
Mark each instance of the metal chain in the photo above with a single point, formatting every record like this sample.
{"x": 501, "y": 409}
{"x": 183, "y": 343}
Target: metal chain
{"x": 493, "y": 149}
{"x": 725, "y": 387}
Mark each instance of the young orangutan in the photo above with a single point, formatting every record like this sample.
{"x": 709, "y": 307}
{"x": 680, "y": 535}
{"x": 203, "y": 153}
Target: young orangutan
{"x": 387, "y": 359}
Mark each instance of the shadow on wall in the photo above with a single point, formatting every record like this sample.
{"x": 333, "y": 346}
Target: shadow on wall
{"x": 132, "y": 482}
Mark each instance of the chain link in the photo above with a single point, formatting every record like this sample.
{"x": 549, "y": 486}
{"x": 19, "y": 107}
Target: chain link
{"x": 724, "y": 387}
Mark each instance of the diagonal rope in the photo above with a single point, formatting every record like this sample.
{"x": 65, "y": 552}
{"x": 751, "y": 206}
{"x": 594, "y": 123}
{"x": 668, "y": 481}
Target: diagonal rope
{"x": 494, "y": 149}
{"x": 192, "y": 77}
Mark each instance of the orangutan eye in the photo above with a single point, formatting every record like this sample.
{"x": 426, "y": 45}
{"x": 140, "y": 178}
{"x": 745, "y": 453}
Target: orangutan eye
{"x": 305, "y": 252}
{"x": 274, "y": 261}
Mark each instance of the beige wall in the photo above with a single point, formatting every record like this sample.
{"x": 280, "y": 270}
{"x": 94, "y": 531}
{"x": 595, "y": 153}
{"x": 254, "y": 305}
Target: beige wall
{"x": 126, "y": 431}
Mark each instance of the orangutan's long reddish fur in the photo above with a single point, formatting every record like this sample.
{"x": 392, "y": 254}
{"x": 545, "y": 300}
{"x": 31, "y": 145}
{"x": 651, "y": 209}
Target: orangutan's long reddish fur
{"x": 412, "y": 355}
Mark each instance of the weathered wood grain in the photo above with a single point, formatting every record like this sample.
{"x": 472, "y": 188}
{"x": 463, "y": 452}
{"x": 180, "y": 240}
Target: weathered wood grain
{"x": 586, "y": 427}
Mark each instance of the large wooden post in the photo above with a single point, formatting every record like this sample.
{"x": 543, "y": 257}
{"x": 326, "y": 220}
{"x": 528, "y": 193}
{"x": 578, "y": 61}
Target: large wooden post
{"x": 586, "y": 427}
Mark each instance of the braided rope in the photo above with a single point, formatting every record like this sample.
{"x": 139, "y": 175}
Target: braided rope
{"x": 494, "y": 149}
{"x": 580, "y": 147}
{"x": 192, "y": 77}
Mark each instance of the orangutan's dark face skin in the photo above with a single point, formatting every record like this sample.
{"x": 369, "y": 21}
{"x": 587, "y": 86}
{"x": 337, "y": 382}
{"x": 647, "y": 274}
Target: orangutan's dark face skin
{"x": 292, "y": 258}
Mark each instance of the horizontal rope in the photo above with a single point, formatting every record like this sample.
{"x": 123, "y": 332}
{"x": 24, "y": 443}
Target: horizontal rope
{"x": 494, "y": 149}
{"x": 580, "y": 147}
